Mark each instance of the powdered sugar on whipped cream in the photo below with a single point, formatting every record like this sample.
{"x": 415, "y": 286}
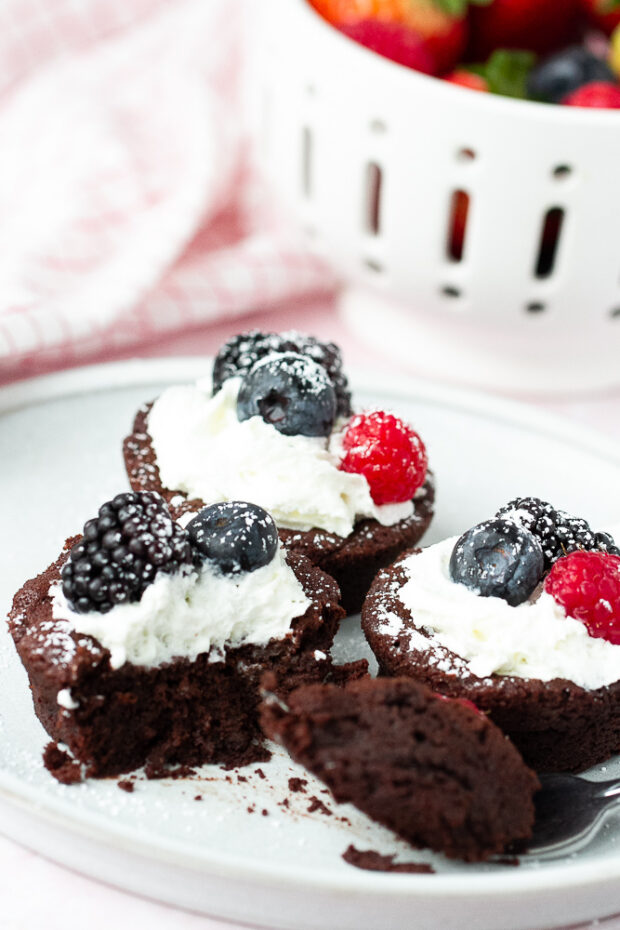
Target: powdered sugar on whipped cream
{"x": 186, "y": 614}
{"x": 205, "y": 451}
{"x": 534, "y": 640}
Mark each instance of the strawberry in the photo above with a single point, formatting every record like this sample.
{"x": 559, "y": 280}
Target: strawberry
{"x": 537, "y": 25}
{"x": 603, "y": 13}
{"x": 441, "y": 24}
{"x": 465, "y": 78}
{"x": 393, "y": 41}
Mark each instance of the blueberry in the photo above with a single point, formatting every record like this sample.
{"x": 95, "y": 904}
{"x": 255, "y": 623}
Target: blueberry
{"x": 238, "y": 537}
{"x": 292, "y": 393}
{"x": 564, "y": 72}
{"x": 498, "y": 558}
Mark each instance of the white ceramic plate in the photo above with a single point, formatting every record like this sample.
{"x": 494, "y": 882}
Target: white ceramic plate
{"x": 60, "y": 458}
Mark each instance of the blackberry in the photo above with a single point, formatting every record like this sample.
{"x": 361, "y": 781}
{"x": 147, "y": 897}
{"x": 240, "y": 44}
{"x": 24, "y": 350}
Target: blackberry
{"x": 291, "y": 393}
{"x": 559, "y": 532}
{"x": 240, "y": 353}
{"x": 498, "y": 558}
{"x": 566, "y": 71}
{"x": 121, "y": 551}
{"x": 236, "y": 536}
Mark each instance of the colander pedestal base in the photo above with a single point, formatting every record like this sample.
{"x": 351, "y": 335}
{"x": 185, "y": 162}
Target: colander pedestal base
{"x": 529, "y": 359}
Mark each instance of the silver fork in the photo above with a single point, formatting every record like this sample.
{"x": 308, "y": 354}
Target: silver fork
{"x": 569, "y": 812}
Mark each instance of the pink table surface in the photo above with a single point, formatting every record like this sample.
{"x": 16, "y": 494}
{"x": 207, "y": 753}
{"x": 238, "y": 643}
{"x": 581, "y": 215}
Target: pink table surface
{"x": 65, "y": 900}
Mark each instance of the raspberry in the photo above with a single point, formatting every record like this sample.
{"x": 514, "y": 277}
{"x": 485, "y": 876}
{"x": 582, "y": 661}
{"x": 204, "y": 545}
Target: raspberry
{"x": 122, "y": 549}
{"x": 388, "y": 453}
{"x": 587, "y": 585}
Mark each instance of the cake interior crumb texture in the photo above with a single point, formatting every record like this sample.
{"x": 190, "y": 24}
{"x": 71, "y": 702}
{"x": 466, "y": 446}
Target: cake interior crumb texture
{"x": 437, "y": 773}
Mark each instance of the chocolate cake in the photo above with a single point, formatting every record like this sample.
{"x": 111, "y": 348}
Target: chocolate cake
{"x": 353, "y": 560}
{"x": 438, "y": 773}
{"x": 557, "y": 725}
{"x": 179, "y": 713}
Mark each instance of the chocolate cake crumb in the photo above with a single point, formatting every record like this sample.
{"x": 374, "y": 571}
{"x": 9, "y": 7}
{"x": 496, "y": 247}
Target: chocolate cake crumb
{"x": 284, "y": 803}
{"x": 317, "y": 805}
{"x": 125, "y": 785}
{"x": 59, "y": 763}
{"x": 250, "y": 809}
{"x": 297, "y": 784}
{"x": 198, "y": 797}
{"x": 373, "y": 861}
{"x": 260, "y": 773}
{"x": 265, "y": 812}
{"x": 241, "y": 778}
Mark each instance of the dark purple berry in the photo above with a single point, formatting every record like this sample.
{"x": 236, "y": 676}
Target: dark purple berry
{"x": 559, "y": 75}
{"x": 122, "y": 550}
{"x": 237, "y": 356}
{"x": 292, "y": 393}
{"x": 236, "y": 536}
{"x": 498, "y": 558}
{"x": 559, "y": 532}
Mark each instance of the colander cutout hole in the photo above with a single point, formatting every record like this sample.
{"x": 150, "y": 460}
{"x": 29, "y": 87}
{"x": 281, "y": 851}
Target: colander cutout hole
{"x": 374, "y": 183}
{"x": 450, "y": 291}
{"x": 373, "y": 265}
{"x": 615, "y": 313}
{"x": 551, "y": 233}
{"x": 378, "y": 126}
{"x": 535, "y": 307}
{"x": 457, "y": 225}
{"x": 307, "y": 153}
{"x": 466, "y": 154}
{"x": 562, "y": 172}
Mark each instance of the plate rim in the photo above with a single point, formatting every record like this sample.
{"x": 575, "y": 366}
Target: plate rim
{"x": 134, "y": 372}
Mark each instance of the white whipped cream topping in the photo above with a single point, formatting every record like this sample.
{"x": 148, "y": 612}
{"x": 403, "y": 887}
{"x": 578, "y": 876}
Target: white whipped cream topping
{"x": 205, "y": 451}
{"x": 186, "y": 614}
{"x": 534, "y": 640}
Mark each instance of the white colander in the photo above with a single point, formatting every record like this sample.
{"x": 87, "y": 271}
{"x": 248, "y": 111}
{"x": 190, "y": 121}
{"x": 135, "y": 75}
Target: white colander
{"x": 370, "y": 156}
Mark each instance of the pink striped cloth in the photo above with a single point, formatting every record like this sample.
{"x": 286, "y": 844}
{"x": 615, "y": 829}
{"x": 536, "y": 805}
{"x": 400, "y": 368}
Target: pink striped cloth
{"x": 129, "y": 207}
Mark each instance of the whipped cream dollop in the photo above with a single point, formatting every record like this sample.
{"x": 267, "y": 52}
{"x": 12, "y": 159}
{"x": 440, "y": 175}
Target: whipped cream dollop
{"x": 186, "y": 614}
{"x": 534, "y": 640}
{"x": 205, "y": 451}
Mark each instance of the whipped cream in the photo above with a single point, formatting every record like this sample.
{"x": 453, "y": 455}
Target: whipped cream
{"x": 534, "y": 640}
{"x": 205, "y": 451}
{"x": 186, "y": 614}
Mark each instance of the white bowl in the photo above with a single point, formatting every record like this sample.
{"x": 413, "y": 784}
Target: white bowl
{"x": 369, "y": 155}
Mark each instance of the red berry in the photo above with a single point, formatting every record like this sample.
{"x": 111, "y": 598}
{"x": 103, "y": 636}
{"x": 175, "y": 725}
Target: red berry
{"x": 464, "y": 702}
{"x": 468, "y": 79}
{"x": 394, "y": 41}
{"x": 587, "y": 585}
{"x": 388, "y": 453}
{"x": 601, "y": 94}
{"x": 603, "y": 13}
{"x": 538, "y": 25}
